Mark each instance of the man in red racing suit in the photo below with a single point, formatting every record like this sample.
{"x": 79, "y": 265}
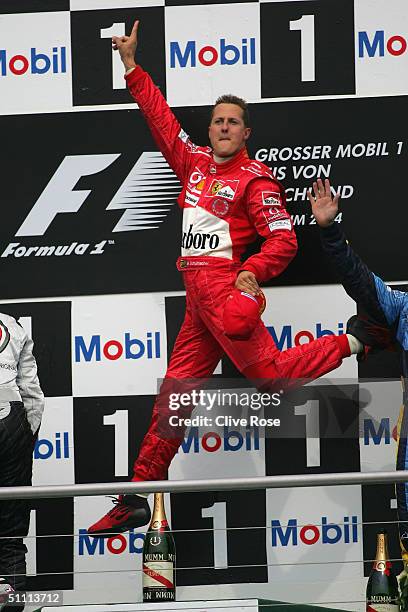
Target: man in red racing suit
{"x": 227, "y": 200}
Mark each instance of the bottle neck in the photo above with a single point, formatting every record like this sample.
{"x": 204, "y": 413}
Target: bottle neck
{"x": 381, "y": 563}
{"x": 159, "y": 520}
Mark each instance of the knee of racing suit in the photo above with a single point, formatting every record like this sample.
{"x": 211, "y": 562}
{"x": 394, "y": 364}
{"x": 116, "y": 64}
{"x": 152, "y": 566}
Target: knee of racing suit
{"x": 175, "y": 403}
{"x": 264, "y": 376}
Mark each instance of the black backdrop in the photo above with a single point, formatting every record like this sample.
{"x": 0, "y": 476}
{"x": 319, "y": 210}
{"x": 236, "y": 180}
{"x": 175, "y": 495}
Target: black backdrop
{"x": 375, "y": 217}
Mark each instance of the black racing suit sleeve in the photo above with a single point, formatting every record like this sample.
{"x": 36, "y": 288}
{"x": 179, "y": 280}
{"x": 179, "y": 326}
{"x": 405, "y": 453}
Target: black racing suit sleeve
{"x": 356, "y": 278}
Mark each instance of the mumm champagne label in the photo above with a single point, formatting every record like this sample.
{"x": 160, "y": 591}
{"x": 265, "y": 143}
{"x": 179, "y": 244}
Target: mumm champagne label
{"x": 159, "y": 557}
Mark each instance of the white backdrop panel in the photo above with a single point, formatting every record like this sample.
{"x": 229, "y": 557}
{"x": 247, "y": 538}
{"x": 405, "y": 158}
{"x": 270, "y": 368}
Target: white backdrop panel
{"x": 381, "y": 47}
{"x": 204, "y": 59}
{"x": 35, "y": 63}
{"x": 119, "y": 344}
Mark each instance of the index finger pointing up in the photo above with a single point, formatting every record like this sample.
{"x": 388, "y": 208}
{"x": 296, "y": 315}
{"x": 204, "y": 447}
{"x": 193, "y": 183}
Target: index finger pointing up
{"x": 133, "y": 33}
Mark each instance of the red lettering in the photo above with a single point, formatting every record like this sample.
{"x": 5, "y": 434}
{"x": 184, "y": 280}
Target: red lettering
{"x": 212, "y": 51}
{"x": 112, "y": 356}
{"x": 13, "y": 62}
{"x": 304, "y": 333}
{"x": 313, "y": 539}
{"x": 122, "y": 544}
{"x": 401, "y": 42}
{"x": 213, "y": 447}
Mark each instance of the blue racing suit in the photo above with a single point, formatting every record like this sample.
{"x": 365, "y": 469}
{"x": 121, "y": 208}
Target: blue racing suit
{"x": 388, "y": 307}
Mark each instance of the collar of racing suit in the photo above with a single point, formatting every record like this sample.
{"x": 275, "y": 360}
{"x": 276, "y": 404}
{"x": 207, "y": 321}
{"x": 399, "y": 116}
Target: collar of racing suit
{"x": 240, "y": 158}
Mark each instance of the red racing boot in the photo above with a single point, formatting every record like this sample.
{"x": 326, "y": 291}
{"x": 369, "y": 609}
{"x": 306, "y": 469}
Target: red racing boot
{"x": 129, "y": 511}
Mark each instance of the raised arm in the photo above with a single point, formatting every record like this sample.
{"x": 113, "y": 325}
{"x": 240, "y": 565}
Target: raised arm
{"x": 165, "y": 128}
{"x": 127, "y": 45}
{"x": 363, "y": 286}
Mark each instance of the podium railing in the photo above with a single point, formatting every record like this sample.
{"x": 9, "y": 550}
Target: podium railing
{"x": 220, "y": 484}
{"x": 214, "y": 484}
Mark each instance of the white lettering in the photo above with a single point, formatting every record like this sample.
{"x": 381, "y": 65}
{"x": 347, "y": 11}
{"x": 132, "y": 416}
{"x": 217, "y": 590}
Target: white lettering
{"x": 58, "y": 196}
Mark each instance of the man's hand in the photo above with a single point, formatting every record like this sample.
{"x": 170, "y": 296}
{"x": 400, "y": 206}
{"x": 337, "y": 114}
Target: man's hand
{"x": 126, "y": 45}
{"x": 246, "y": 281}
{"x": 324, "y": 207}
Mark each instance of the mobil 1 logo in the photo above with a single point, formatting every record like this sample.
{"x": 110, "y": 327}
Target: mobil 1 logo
{"x": 307, "y": 48}
{"x": 97, "y": 70}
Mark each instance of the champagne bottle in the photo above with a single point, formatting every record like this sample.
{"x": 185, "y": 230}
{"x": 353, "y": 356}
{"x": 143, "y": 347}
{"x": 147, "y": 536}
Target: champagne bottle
{"x": 382, "y": 587}
{"x": 159, "y": 557}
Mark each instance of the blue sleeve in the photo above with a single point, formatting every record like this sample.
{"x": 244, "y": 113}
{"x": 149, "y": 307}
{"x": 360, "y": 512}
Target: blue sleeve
{"x": 356, "y": 278}
{"x": 391, "y": 300}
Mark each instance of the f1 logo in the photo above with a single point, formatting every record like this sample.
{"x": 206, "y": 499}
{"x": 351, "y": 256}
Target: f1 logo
{"x": 60, "y": 195}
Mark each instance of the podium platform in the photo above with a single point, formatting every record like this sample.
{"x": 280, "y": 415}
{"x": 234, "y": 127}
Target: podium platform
{"x": 238, "y": 605}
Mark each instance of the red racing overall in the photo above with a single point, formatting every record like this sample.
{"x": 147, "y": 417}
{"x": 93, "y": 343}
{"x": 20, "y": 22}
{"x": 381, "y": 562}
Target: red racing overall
{"x": 225, "y": 207}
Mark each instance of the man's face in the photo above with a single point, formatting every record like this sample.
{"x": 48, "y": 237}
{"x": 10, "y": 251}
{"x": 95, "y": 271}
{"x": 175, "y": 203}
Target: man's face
{"x": 227, "y": 131}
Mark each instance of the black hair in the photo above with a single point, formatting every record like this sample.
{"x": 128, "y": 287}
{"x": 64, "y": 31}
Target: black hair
{"x": 231, "y": 99}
